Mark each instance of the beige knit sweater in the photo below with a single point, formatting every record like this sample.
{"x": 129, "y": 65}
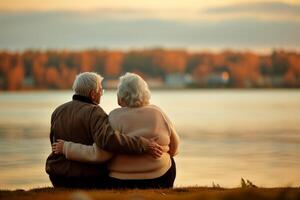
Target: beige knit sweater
{"x": 147, "y": 121}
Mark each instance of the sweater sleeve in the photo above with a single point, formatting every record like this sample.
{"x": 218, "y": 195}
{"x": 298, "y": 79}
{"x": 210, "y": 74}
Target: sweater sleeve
{"x": 174, "y": 138}
{"x": 85, "y": 153}
{"x": 113, "y": 141}
{"x": 174, "y": 143}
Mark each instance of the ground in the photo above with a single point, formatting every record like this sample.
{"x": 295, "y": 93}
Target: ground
{"x": 203, "y": 193}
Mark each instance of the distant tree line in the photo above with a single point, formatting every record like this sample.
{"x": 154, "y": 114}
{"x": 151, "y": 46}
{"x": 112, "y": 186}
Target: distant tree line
{"x": 57, "y": 69}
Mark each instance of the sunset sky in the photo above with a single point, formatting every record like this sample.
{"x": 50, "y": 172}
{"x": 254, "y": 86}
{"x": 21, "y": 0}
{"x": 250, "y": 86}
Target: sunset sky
{"x": 191, "y": 24}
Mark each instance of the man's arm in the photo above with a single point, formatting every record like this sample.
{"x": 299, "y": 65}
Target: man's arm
{"x": 52, "y": 137}
{"x": 113, "y": 141}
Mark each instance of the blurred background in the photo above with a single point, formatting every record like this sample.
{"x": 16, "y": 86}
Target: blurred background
{"x": 226, "y": 72}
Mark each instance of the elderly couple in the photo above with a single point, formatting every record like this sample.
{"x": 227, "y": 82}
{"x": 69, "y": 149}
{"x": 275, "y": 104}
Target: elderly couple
{"x": 132, "y": 147}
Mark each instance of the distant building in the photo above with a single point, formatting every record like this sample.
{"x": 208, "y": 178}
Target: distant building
{"x": 219, "y": 78}
{"x": 28, "y": 82}
{"x": 277, "y": 81}
{"x": 178, "y": 80}
{"x": 155, "y": 82}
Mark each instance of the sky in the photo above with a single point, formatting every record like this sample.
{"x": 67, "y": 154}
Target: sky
{"x": 124, "y": 24}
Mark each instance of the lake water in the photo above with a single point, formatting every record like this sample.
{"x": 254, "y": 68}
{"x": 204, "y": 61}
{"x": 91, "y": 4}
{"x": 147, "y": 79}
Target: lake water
{"x": 225, "y": 135}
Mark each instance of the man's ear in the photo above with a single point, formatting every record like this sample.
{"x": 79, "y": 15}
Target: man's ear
{"x": 92, "y": 95}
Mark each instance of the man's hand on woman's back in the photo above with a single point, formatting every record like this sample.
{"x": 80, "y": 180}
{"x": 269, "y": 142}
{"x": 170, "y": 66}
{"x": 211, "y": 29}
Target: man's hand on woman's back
{"x": 154, "y": 149}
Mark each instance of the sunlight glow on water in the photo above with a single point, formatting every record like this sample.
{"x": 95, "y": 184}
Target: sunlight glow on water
{"x": 225, "y": 135}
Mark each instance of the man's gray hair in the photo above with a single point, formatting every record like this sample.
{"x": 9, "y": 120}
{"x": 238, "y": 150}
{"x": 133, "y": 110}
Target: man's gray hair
{"x": 86, "y": 82}
{"x": 133, "y": 90}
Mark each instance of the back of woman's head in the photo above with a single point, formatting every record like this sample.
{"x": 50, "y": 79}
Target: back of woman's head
{"x": 133, "y": 90}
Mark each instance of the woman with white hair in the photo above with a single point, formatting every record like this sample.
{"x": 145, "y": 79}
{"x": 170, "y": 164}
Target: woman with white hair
{"x": 136, "y": 117}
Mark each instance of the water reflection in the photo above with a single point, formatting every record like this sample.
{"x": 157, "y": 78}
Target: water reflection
{"x": 225, "y": 135}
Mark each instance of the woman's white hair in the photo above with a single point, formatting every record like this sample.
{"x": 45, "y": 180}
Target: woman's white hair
{"x": 86, "y": 82}
{"x": 133, "y": 90}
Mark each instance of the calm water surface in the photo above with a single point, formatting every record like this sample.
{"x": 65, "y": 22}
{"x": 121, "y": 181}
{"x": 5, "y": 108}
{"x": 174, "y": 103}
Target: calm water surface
{"x": 225, "y": 135}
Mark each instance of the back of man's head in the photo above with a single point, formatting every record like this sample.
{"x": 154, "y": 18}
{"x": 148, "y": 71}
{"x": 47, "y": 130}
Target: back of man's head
{"x": 86, "y": 82}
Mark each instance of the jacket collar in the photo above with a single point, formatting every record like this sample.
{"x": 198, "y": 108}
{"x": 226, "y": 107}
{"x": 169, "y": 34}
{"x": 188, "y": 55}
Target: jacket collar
{"x": 82, "y": 98}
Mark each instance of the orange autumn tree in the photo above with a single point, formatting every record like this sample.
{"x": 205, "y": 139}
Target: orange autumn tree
{"x": 292, "y": 76}
{"x": 171, "y": 61}
{"x": 39, "y": 69}
{"x": 244, "y": 68}
{"x": 16, "y": 73}
{"x": 113, "y": 64}
{"x": 86, "y": 61}
{"x": 52, "y": 77}
{"x": 5, "y": 65}
{"x": 57, "y": 69}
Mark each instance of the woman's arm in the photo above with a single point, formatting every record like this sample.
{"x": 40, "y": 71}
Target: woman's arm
{"x": 174, "y": 143}
{"x": 174, "y": 138}
{"x": 80, "y": 152}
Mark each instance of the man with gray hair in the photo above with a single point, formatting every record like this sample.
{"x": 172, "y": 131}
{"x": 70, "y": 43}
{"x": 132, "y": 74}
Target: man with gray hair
{"x": 83, "y": 121}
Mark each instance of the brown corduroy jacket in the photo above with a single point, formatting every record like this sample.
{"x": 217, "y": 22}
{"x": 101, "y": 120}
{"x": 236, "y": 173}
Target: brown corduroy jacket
{"x": 83, "y": 122}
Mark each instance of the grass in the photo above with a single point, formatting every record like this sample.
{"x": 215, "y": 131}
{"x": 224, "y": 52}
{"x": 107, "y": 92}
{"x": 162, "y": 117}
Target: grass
{"x": 186, "y": 193}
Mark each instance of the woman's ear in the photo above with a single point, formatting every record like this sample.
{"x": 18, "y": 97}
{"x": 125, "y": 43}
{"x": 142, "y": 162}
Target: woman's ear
{"x": 119, "y": 101}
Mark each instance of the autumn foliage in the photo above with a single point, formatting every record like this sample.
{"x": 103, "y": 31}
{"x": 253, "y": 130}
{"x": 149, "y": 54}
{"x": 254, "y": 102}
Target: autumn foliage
{"x": 57, "y": 69}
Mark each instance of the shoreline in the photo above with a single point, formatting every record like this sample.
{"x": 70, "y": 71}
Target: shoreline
{"x": 163, "y": 89}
